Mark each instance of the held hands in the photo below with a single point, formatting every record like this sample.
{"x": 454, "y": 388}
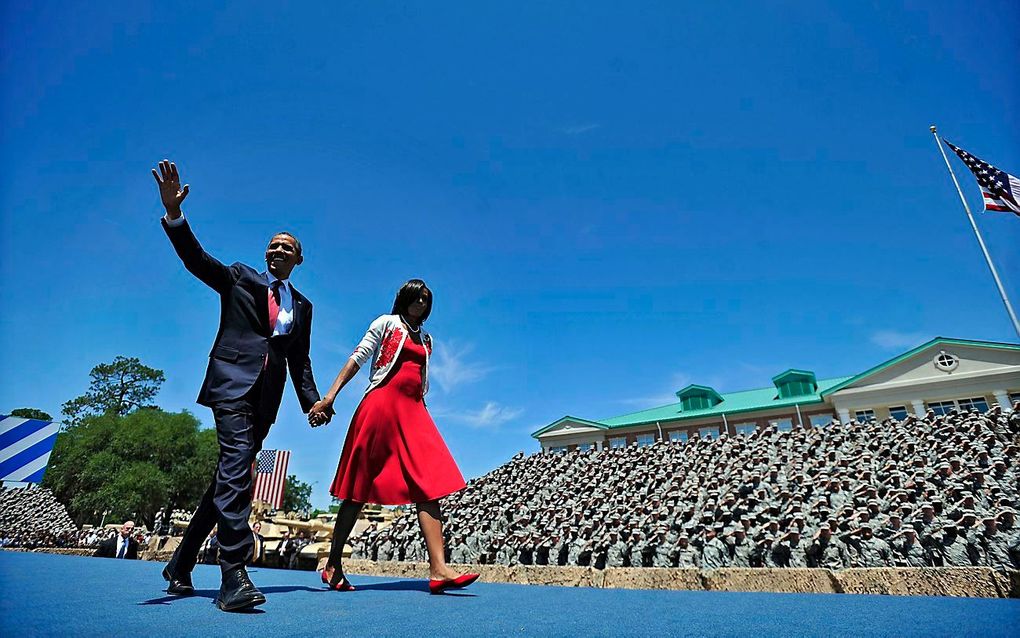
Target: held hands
{"x": 321, "y": 413}
{"x": 170, "y": 190}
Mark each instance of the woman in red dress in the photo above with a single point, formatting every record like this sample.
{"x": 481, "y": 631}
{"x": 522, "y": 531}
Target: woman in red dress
{"x": 393, "y": 454}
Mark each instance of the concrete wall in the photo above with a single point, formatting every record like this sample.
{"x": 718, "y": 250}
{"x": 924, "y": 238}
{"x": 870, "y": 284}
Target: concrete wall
{"x": 974, "y": 582}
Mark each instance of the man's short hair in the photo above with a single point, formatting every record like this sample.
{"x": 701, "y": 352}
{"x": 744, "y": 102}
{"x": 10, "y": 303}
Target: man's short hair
{"x": 297, "y": 242}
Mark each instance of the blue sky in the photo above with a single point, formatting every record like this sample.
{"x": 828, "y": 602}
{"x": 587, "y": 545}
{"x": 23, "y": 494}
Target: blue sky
{"x": 609, "y": 201}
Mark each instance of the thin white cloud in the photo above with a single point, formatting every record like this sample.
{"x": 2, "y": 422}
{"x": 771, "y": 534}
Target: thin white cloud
{"x": 895, "y": 340}
{"x": 450, "y": 368}
{"x": 491, "y": 415}
{"x": 650, "y": 401}
{"x": 578, "y": 129}
{"x": 666, "y": 396}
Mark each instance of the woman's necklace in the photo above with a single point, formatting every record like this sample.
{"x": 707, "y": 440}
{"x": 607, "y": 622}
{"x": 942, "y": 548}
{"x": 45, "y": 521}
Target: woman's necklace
{"x": 409, "y": 326}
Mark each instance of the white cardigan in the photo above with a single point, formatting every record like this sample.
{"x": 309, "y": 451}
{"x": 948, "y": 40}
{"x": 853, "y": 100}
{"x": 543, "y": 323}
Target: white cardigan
{"x": 383, "y": 343}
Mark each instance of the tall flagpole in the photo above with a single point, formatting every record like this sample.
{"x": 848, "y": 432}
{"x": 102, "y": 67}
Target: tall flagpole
{"x": 984, "y": 249}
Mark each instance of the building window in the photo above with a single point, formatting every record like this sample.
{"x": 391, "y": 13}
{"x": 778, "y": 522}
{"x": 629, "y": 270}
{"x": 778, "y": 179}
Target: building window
{"x": 863, "y": 416}
{"x": 678, "y": 436}
{"x": 585, "y": 447}
{"x": 975, "y": 403}
{"x": 745, "y": 429}
{"x": 559, "y": 449}
{"x": 644, "y": 440}
{"x": 820, "y": 420}
{"x": 782, "y": 425}
{"x": 709, "y": 433}
{"x": 898, "y": 412}
{"x": 1013, "y": 398}
{"x": 945, "y": 361}
{"x": 942, "y": 407}
{"x": 618, "y": 442}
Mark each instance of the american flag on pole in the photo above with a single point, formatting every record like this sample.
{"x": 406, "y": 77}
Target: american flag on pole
{"x": 1000, "y": 190}
{"x": 271, "y": 476}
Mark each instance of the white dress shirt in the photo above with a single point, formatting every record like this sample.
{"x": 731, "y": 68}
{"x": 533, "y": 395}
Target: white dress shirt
{"x": 286, "y": 316}
{"x": 121, "y": 542}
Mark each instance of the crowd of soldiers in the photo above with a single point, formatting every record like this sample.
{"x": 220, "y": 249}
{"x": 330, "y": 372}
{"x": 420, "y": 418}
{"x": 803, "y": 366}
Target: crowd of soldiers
{"x": 934, "y": 491}
{"x": 33, "y": 517}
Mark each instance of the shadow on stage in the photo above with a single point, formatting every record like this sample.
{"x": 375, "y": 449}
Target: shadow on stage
{"x": 211, "y": 594}
{"x": 407, "y": 585}
{"x": 397, "y": 585}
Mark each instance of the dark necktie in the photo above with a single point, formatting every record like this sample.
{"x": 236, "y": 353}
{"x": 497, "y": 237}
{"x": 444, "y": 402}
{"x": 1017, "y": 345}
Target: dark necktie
{"x": 123, "y": 548}
{"x": 274, "y": 304}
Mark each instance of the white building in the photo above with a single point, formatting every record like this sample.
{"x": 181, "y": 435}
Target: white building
{"x": 942, "y": 375}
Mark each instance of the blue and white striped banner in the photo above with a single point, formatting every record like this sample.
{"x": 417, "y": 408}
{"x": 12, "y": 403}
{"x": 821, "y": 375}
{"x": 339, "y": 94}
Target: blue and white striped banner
{"x": 25, "y": 446}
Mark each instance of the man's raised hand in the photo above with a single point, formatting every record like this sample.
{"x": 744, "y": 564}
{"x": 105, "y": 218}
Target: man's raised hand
{"x": 170, "y": 190}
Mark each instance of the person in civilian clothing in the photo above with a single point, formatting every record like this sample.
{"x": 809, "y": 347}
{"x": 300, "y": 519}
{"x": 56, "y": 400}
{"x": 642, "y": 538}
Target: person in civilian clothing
{"x": 264, "y": 332}
{"x": 393, "y": 453}
{"x": 122, "y": 545}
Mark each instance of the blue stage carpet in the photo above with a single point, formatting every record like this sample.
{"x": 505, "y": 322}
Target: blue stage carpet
{"x": 48, "y": 595}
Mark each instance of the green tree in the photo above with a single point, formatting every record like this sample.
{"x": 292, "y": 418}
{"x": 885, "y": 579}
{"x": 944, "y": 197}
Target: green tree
{"x": 31, "y": 413}
{"x": 131, "y": 465}
{"x": 116, "y": 388}
{"x": 297, "y": 495}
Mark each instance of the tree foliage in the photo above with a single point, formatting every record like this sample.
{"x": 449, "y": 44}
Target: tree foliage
{"x": 116, "y": 388}
{"x": 31, "y": 413}
{"x": 131, "y": 465}
{"x": 297, "y": 495}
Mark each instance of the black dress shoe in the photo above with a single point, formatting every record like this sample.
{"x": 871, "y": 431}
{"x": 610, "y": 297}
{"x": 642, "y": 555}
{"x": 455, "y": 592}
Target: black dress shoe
{"x": 237, "y": 592}
{"x": 180, "y": 582}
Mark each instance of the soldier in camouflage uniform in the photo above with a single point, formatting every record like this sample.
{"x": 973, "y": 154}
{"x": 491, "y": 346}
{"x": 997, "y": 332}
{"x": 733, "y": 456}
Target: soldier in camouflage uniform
{"x": 908, "y": 551}
{"x": 715, "y": 554}
{"x": 825, "y": 552}
{"x": 950, "y": 549}
{"x": 791, "y": 551}
{"x": 637, "y": 548}
{"x": 686, "y": 556}
{"x": 993, "y": 547}
{"x": 740, "y": 548}
{"x": 871, "y": 551}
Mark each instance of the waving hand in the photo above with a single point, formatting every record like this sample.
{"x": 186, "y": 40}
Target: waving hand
{"x": 170, "y": 190}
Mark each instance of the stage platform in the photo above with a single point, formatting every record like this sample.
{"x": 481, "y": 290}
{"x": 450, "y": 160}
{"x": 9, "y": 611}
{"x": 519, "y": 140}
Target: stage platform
{"x": 48, "y": 595}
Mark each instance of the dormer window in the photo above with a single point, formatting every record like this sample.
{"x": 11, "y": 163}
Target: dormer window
{"x": 795, "y": 383}
{"x": 698, "y": 397}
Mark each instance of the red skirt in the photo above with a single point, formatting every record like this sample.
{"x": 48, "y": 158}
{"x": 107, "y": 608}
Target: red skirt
{"x": 393, "y": 454}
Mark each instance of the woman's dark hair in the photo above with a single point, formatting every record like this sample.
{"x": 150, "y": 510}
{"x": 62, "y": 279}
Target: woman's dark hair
{"x": 410, "y": 293}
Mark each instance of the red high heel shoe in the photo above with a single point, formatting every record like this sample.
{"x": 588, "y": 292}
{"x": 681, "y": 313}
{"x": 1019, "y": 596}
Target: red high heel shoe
{"x": 460, "y": 582}
{"x": 343, "y": 585}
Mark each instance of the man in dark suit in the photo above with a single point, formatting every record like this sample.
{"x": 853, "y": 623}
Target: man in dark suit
{"x": 264, "y": 330}
{"x": 121, "y": 545}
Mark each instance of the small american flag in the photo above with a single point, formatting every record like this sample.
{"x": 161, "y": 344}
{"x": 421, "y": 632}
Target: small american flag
{"x": 999, "y": 189}
{"x": 271, "y": 476}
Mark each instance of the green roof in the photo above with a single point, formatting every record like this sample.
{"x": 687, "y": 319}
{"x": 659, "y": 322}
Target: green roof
{"x": 732, "y": 403}
{"x": 763, "y": 398}
{"x": 793, "y": 373}
{"x": 698, "y": 390}
{"x": 936, "y": 341}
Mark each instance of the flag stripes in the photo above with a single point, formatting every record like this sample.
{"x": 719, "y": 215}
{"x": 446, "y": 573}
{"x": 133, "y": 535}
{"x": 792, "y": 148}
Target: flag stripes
{"x": 999, "y": 189}
{"x": 25, "y": 448}
{"x": 271, "y": 476}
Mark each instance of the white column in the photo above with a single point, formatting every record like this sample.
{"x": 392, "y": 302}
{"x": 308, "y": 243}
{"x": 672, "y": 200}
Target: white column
{"x": 918, "y": 406}
{"x": 598, "y": 445}
{"x": 844, "y": 415}
{"x": 1003, "y": 398}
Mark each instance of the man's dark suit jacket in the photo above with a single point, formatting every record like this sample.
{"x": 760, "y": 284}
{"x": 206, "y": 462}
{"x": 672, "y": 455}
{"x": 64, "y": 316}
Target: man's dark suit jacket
{"x": 244, "y": 338}
{"x": 108, "y": 548}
